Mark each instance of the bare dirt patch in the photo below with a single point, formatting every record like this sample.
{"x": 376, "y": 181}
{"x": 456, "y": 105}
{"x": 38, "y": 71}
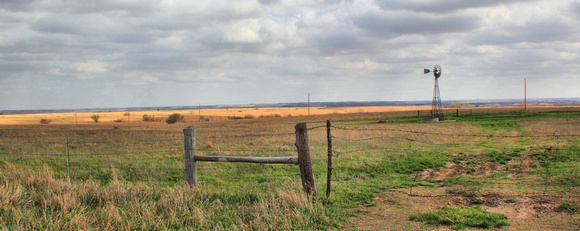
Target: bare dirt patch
{"x": 526, "y": 213}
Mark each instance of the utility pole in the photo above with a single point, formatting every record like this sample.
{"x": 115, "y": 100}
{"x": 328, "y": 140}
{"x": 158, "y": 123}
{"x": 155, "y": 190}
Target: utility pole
{"x": 308, "y": 104}
{"x": 525, "y": 95}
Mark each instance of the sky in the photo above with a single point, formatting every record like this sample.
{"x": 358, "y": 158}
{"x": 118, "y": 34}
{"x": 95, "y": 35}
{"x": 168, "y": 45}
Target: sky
{"x": 74, "y": 54}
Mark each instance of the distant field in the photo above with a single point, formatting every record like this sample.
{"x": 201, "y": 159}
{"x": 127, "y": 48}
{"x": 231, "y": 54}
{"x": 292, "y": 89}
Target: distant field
{"x": 387, "y": 167}
{"x": 126, "y": 118}
{"x": 109, "y": 117}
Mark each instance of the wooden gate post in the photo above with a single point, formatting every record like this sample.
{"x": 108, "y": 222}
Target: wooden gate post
{"x": 189, "y": 142}
{"x": 304, "y": 160}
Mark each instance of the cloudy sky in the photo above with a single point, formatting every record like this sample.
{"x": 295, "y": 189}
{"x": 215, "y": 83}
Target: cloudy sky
{"x": 67, "y": 54}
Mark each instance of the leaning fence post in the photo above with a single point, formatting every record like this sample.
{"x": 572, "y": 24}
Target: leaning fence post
{"x": 189, "y": 141}
{"x": 329, "y": 170}
{"x": 304, "y": 159}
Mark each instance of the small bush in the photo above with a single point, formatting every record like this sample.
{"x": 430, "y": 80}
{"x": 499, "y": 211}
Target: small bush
{"x": 118, "y": 120}
{"x": 45, "y": 121}
{"x": 174, "y": 118}
{"x": 95, "y": 118}
{"x": 150, "y": 118}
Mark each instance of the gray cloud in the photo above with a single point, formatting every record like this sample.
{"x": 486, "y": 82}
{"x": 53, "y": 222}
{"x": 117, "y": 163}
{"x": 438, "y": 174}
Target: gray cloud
{"x": 532, "y": 32}
{"x": 396, "y": 24}
{"x": 79, "y": 54}
{"x": 443, "y": 6}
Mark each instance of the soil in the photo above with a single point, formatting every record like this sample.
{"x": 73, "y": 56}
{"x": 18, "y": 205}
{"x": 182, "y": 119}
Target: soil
{"x": 527, "y": 212}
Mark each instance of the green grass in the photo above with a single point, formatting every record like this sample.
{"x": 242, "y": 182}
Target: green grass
{"x": 117, "y": 165}
{"x": 569, "y": 206}
{"x": 461, "y": 218}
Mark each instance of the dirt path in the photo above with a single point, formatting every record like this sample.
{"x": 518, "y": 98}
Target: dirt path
{"x": 393, "y": 208}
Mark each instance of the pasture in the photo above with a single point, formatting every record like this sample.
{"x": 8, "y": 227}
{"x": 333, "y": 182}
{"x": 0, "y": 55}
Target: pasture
{"x": 388, "y": 169}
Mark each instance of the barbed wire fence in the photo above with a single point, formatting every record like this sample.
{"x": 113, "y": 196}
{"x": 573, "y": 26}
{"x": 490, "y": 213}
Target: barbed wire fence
{"x": 375, "y": 145}
{"x": 154, "y": 156}
{"x": 157, "y": 156}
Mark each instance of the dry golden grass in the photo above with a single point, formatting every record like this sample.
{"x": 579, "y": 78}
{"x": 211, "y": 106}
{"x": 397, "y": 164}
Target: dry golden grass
{"x": 120, "y": 118}
{"x": 136, "y": 117}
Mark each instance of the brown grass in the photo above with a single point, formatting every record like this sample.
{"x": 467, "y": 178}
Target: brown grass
{"x": 31, "y": 200}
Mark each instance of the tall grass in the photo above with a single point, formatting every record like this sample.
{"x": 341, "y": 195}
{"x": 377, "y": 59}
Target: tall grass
{"x": 33, "y": 199}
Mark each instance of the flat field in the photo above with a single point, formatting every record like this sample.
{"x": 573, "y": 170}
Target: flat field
{"x": 388, "y": 169}
{"x": 135, "y": 117}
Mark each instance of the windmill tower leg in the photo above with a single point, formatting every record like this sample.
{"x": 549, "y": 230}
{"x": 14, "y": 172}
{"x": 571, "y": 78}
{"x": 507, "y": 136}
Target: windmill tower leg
{"x": 436, "y": 111}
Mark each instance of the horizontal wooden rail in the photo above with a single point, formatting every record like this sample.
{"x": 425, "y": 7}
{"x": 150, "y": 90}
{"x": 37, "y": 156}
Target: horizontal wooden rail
{"x": 262, "y": 160}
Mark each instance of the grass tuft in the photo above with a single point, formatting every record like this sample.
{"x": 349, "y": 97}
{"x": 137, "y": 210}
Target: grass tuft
{"x": 461, "y": 218}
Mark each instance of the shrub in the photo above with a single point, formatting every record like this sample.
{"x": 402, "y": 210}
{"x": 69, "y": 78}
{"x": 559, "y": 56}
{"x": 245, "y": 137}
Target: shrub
{"x": 95, "y": 118}
{"x": 45, "y": 121}
{"x": 174, "y": 118}
{"x": 118, "y": 120}
{"x": 150, "y": 118}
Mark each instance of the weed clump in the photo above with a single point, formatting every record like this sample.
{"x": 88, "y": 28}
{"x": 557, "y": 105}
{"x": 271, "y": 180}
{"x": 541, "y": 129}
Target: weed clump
{"x": 499, "y": 157}
{"x": 569, "y": 207}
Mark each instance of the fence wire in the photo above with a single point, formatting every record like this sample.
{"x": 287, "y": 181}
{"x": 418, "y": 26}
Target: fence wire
{"x": 157, "y": 156}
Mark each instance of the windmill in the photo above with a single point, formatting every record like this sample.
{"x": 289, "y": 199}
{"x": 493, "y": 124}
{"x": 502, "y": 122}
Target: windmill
{"x": 436, "y": 111}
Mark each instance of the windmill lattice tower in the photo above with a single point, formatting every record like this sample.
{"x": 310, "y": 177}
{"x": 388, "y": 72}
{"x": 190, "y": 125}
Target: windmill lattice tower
{"x": 436, "y": 109}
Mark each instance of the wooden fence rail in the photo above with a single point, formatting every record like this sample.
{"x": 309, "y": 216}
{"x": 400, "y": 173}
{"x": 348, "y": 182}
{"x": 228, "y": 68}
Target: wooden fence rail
{"x": 303, "y": 159}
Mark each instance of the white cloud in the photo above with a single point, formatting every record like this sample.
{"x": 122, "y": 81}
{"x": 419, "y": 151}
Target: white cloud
{"x": 92, "y": 66}
{"x": 242, "y": 35}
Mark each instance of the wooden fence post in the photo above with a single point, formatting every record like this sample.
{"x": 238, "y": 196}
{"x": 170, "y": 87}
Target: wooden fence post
{"x": 304, "y": 160}
{"x": 329, "y": 170}
{"x": 189, "y": 141}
